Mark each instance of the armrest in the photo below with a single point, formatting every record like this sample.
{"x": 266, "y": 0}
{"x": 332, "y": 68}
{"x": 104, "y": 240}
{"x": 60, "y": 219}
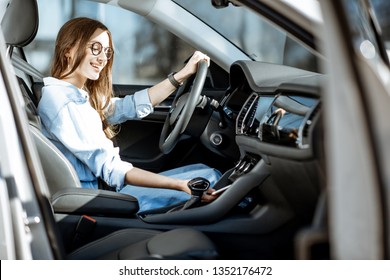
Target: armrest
{"x": 94, "y": 202}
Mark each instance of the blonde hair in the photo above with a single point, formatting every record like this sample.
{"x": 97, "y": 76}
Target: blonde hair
{"x": 77, "y": 33}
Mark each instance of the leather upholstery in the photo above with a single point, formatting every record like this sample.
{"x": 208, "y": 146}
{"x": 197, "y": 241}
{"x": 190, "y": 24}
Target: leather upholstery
{"x": 94, "y": 202}
{"x": 132, "y": 244}
{"x": 24, "y": 15}
{"x": 59, "y": 173}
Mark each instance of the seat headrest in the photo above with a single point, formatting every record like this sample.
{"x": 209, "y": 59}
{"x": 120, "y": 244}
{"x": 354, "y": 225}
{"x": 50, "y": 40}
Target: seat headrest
{"x": 20, "y": 22}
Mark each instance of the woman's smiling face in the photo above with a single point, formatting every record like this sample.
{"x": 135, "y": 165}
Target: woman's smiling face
{"x": 91, "y": 66}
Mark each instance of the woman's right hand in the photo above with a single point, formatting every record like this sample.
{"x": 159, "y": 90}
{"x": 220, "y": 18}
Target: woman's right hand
{"x": 191, "y": 67}
{"x": 208, "y": 197}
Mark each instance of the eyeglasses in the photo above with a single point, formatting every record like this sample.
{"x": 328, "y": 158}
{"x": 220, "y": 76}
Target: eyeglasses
{"x": 97, "y": 48}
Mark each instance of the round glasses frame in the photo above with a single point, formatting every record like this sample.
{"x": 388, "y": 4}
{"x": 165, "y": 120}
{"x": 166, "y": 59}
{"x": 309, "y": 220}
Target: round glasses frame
{"x": 97, "y": 48}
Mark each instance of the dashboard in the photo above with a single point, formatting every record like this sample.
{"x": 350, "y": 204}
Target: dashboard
{"x": 275, "y": 108}
{"x": 281, "y": 120}
{"x": 272, "y": 116}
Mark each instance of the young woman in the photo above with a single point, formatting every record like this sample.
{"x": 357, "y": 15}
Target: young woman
{"x": 77, "y": 111}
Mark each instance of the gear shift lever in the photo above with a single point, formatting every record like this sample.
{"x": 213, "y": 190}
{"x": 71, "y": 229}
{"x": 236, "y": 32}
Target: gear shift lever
{"x": 197, "y": 186}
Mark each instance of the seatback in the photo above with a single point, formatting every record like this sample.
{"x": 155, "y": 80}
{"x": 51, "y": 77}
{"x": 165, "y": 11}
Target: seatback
{"x": 19, "y": 30}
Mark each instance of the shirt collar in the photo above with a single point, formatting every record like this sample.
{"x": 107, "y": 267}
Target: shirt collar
{"x": 51, "y": 81}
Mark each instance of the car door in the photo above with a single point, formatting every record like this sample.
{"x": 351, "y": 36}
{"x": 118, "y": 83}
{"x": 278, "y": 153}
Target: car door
{"x": 357, "y": 102}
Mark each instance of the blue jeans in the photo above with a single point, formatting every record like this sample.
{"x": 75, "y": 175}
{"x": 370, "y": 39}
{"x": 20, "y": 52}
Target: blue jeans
{"x": 153, "y": 198}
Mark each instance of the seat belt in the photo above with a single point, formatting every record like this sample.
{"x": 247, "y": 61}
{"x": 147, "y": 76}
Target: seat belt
{"x": 26, "y": 68}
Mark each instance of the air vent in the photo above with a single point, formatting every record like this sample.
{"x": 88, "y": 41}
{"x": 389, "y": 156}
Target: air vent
{"x": 309, "y": 121}
{"x": 246, "y": 116}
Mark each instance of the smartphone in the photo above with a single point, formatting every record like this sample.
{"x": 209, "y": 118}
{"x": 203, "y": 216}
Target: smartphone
{"x": 221, "y": 190}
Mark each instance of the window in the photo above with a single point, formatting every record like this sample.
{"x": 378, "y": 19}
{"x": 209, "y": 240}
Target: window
{"x": 367, "y": 39}
{"x": 144, "y": 52}
{"x": 382, "y": 10}
{"x": 253, "y": 35}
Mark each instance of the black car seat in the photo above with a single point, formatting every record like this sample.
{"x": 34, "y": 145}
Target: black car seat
{"x": 19, "y": 25}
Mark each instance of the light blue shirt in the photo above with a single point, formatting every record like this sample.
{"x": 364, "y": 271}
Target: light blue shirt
{"x": 75, "y": 127}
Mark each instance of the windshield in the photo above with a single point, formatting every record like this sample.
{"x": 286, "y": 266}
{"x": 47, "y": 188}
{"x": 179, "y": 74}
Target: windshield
{"x": 256, "y": 37}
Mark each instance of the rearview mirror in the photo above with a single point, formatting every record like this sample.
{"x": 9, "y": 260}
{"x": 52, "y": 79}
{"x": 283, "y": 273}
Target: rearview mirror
{"x": 219, "y": 4}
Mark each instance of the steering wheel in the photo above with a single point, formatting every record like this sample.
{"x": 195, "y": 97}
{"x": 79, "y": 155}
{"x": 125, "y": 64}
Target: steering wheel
{"x": 181, "y": 111}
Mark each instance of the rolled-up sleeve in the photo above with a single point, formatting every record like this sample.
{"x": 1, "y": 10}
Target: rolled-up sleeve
{"x": 136, "y": 106}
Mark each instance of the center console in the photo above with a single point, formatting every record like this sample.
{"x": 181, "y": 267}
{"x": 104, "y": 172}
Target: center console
{"x": 266, "y": 126}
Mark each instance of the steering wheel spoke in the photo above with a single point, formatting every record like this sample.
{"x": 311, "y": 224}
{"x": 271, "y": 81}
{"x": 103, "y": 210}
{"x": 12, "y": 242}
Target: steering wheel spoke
{"x": 178, "y": 108}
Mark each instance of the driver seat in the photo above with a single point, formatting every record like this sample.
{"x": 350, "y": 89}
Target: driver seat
{"x": 20, "y": 25}
{"x": 63, "y": 183}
